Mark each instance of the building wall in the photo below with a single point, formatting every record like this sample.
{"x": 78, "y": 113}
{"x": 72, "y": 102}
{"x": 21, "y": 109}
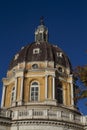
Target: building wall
{"x": 38, "y": 75}
{"x": 43, "y": 127}
{"x": 3, "y": 127}
{"x": 26, "y": 89}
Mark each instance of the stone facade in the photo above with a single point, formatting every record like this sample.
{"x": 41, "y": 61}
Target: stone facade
{"x": 44, "y": 76}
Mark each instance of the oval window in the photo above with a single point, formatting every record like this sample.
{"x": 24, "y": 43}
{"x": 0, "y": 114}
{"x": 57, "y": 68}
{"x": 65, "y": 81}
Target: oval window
{"x": 34, "y": 66}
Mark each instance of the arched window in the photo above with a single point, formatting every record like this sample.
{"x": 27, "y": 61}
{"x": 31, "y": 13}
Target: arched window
{"x": 40, "y": 36}
{"x": 13, "y": 96}
{"x": 34, "y": 93}
{"x": 59, "y": 93}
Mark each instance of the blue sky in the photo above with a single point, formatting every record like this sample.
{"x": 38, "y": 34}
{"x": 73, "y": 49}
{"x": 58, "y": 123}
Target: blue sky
{"x": 66, "y": 21}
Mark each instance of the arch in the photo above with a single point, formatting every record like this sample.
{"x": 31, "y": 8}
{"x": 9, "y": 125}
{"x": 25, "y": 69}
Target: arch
{"x": 34, "y": 91}
{"x": 34, "y": 83}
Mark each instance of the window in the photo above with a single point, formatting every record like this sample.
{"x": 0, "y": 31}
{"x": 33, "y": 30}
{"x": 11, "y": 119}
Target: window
{"x": 36, "y": 51}
{"x": 34, "y": 66}
{"x": 13, "y": 96}
{"x": 44, "y": 37}
{"x": 59, "y": 93}
{"x": 59, "y": 54}
{"x": 34, "y": 91}
{"x": 36, "y": 37}
{"x": 40, "y": 37}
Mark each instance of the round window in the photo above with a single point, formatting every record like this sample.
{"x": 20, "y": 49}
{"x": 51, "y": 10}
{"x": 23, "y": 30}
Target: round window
{"x": 34, "y": 66}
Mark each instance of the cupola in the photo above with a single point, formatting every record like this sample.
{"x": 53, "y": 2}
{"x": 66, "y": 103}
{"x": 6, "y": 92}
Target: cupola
{"x": 41, "y": 33}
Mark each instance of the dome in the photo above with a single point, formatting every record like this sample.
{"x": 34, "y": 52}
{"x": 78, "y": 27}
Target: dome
{"x": 41, "y": 51}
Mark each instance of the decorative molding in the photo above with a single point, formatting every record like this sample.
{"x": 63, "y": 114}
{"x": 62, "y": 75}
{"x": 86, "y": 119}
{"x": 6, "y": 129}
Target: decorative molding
{"x": 48, "y": 123}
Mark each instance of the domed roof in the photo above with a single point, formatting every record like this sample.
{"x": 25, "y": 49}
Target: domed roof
{"x": 41, "y": 50}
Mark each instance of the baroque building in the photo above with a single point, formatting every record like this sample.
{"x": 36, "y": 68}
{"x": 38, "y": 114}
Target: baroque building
{"x": 38, "y": 91}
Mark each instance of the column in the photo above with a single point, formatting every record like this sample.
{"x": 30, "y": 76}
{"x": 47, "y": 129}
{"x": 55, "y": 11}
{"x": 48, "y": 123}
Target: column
{"x": 72, "y": 91}
{"x": 53, "y": 87}
{"x": 3, "y": 96}
{"x": 21, "y": 91}
{"x": 72, "y": 97}
{"x": 46, "y": 85}
{"x": 15, "y": 88}
{"x": 14, "y": 103}
{"x": 64, "y": 94}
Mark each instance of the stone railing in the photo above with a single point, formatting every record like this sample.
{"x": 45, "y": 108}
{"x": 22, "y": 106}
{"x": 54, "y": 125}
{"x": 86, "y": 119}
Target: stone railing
{"x": 56, "y": 115}
{"x": 44, "y": 114}
{"x": 85, "y": 120}
{"x": 5, "y": 113}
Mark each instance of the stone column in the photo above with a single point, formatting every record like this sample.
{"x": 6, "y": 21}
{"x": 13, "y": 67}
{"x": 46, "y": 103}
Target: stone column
{"x": 64, "y": 95}
{"x": 14, "y": 102}
{"x": 21, "y": 91}
{"x": 53, "y": 87}
{"x": 3, "y": 96}
{"x": 72, "y": 96}
{"x": 71, "y": 88}
{"x": 15, "y": 88}
{"x": 46, "y": 86}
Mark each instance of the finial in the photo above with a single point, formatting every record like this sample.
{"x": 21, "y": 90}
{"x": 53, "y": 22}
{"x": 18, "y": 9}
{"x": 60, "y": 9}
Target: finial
{"x": 42, "y": 20}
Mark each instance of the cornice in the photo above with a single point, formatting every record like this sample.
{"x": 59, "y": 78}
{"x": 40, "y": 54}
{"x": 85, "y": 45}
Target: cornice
{"x": 47, "y": 123}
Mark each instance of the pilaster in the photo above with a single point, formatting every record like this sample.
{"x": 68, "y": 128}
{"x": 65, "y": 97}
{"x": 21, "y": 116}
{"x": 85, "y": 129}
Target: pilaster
{"x": 3, "y": 96}
{"x": 46, "y": 86}
{"x": 53, "y": 87}
{"x": 21, "y": 92}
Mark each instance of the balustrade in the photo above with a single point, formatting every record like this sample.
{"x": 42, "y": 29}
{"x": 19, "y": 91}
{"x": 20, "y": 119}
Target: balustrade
{"x": 5, "y": 113}
{"x": 47, "y": 114}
